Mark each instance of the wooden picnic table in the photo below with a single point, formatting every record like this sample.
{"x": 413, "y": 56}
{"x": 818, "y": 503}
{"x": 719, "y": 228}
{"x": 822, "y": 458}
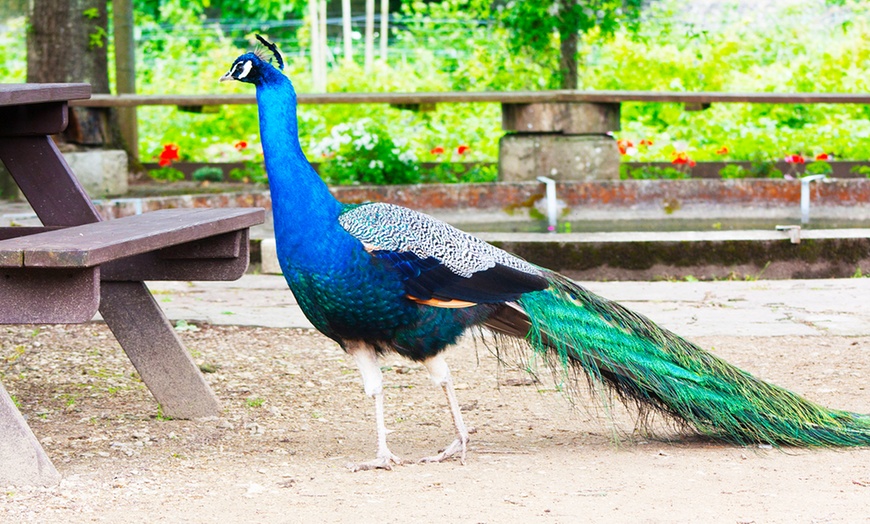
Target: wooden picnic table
{"x": 76, "y": 264}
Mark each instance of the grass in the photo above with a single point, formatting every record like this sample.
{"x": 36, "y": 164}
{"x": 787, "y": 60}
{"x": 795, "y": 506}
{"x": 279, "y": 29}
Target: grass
{"x": 255, "y": 402}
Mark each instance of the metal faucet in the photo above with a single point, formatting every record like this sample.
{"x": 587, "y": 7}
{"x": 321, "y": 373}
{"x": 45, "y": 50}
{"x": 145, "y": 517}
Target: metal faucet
{"x": 805, "y": 196}
{"x": 552, "y": 206}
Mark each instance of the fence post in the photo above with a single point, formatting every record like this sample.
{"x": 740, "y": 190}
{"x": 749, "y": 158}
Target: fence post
{"x": 125, "y": 73}
{"x": 560, "y": 140}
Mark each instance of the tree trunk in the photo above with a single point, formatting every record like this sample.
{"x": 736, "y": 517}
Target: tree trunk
{"x": 67, "y": 42}
{"x": 568, "y": 42}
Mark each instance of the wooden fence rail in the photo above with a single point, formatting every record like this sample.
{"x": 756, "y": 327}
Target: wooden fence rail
{"x": 504, "y": 97}
{"x": 533, "y": 119}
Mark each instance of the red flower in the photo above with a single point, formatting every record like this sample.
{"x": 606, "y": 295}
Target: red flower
{"x": 168, "y": 155}
{"x": 437, "y": 150}
{"x": 623, "y": 144}
{"x": 646, "y": 142}
{"x": 682, "y": 158}
{"x": 722, "y": 150}
{"x": 824, "y": 156}
{"x": 241, "y": 144}
{"x": 795, "y": 159}
{"x": 462, "y": 149}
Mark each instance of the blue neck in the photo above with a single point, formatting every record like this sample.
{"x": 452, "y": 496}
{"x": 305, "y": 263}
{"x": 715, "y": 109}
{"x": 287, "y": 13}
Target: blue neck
{"x": 305, "y": 212}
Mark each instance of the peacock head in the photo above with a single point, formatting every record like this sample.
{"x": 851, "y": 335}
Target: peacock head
{"x": 250, "y": 67}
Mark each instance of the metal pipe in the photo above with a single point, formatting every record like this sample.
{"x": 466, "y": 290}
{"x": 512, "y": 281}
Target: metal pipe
{"x": 552, "y": 206}
{"x": 805, "y": 196}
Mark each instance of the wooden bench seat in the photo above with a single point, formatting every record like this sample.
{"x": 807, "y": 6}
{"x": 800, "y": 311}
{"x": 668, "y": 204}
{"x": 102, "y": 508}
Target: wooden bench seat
{"x": 54, "y": 276}
{"x": 99, "y": 242}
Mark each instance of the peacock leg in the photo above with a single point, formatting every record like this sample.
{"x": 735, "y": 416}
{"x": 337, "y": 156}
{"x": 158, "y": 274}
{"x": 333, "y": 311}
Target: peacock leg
{"x": 440, "y": 374}
{"x": 373, "y": 382}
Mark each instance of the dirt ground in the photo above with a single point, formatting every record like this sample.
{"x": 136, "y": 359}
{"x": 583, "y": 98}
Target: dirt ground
{"x": 295, "y": 416}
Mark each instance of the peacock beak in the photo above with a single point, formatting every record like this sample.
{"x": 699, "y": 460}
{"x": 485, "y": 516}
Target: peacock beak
{"x": 227, "y": 76}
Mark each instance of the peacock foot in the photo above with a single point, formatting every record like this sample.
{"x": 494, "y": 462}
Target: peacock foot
{"x": 460, "y": 445}
{"x": 383, "y": 461}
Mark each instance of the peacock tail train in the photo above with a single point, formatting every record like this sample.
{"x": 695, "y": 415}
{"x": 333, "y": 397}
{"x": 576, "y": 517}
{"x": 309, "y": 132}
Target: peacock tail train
{"x": 660, "y": 370}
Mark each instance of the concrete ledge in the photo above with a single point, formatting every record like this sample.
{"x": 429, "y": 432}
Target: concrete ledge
{"x": 702, "y": 255}
{"x": 610, "y": 198}
{"x": 269, "y": 257}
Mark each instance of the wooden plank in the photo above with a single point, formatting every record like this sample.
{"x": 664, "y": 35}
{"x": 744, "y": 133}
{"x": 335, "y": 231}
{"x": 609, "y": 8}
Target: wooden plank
{"x": 24, "y": 461}
{"x": 49, "y": 296}
{"x": 20, "y": 231}
{"x": 508, "y": 97}
{"x": 169, "y": 264}
{"x": 47, "y": 182}
{"x": 17, "y": 94}
{"x": 34, "y": 119}
{"x": 92, "y": 244}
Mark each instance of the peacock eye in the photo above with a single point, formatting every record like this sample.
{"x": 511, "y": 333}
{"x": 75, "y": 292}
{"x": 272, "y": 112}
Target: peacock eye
{"x": 246, "y": 68}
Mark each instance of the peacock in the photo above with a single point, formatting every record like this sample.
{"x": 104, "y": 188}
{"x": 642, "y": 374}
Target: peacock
{"x": 380, "y": 278}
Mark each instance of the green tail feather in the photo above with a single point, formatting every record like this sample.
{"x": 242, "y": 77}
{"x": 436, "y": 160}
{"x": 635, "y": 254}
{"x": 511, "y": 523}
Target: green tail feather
{"x": 661, "y": 370}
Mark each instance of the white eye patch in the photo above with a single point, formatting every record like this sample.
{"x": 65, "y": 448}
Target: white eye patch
{"x": 246, "y": 68}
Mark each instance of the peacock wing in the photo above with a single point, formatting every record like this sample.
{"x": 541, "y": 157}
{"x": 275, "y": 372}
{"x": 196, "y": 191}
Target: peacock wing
{"x": 440, "y": 265}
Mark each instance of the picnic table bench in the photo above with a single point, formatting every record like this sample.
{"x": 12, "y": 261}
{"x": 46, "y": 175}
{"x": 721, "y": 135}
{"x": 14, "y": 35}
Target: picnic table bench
{"x": 76, "y": 264}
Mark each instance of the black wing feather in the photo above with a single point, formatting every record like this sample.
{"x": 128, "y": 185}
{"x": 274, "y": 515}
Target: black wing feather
{"x": 427, "y": 278}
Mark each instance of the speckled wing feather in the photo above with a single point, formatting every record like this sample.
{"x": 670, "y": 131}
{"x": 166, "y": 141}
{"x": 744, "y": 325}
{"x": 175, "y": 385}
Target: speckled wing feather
{"x": 439, "y": 262}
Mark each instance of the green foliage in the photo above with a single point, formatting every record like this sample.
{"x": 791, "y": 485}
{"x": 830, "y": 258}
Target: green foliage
{"x": 537, "y": 26}
{"x": 13, "y": 50}
{"x": 648, "y": 172}
{"x": 363, "y": 153}
{"x": 454, "y": 172}
{"x": 208, "y": 173}
{"x": 733, "y": 171}
{"x": 460, "y": 45}
{"x": 166, "y": 174}
{"x": 171, "y": 10}
{"x": 97, "y": 38}
{"x": 861, "y": 170}
{"x": 819, "y": 167}
{"x": 761, "y": 167}
{"x": 253, "y": 171}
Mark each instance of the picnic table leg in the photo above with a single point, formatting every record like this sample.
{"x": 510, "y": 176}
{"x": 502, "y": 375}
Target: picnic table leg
{"x": 24, "y": 462}
{"x": 156, "y": 351}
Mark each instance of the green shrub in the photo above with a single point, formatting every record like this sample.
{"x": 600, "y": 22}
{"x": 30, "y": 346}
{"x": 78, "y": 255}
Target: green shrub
{"x": 362, "y": 152}
{"x": 207, "y": 173}
{"x": 761, "y": 167}
{"x": 650, "y": 172}
{"x": 861, "y": 170}
{"x": 252, "y": 171}
{"x": 166, "y": 174}
{"x": 733, "y": 171}
{"x": 819, "y": 167}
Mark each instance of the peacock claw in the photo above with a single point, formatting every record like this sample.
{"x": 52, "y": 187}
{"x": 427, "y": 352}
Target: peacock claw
{"x": 381, "y": 462}
{"x": 460, "y": 445}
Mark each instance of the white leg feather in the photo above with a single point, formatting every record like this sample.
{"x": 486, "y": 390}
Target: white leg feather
{"x": 366, "y": 359}
{"x": 440, "y": 374}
